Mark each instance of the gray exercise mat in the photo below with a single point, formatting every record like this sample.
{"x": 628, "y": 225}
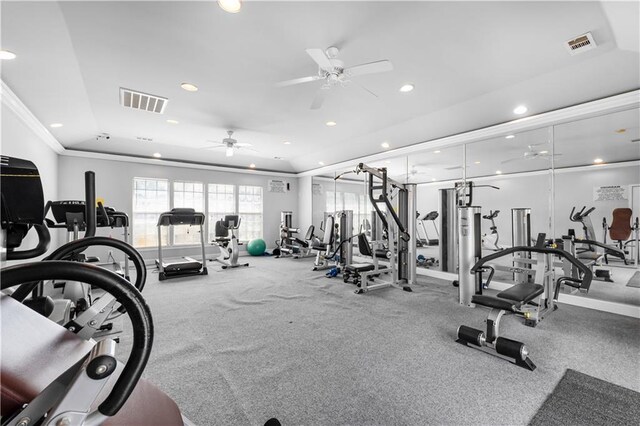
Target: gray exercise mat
{"x": 635, "y": 280}
{"x": 583, "y": 400}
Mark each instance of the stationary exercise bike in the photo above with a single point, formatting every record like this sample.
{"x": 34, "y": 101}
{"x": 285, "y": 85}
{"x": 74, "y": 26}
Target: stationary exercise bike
{"x": 490, "y": 241}
{"x": 229, "y": 247}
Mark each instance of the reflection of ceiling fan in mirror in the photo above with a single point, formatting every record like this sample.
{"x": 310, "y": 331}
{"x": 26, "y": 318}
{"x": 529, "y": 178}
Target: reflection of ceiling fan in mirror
{"x": 532, "y": 154}
{"x": 333, "y": 73}
{"x": 229, "y": 144}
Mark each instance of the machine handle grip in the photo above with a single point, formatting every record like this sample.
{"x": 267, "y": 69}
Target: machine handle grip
{"x": 124, "y": 293}
{"x": 44, "y": 238}
{"x": 90, "y": 203}
{"x": 587, "y": 275}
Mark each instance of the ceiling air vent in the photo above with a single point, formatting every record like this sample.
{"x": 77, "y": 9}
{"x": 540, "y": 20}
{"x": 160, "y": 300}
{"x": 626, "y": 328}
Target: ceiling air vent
{"x": 143, "y": 101}
{"x": 143, "y": 139}
{"x": 581, "y": 44}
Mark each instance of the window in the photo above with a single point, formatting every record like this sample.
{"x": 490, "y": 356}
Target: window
{"x": 222, "y": 201}
{"x": 187, "y": 195}
{"x": 150, "y": 198}
{"x": 250, "y": 211}
{"x": 331, "y": 203}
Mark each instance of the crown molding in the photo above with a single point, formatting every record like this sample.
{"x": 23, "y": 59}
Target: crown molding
{"x": 172, "y": 163}
{"x": 13, "y": 102}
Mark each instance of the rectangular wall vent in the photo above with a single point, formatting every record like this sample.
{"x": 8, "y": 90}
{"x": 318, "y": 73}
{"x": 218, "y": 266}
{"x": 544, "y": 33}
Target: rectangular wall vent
{"x": 143, "y": 101}
{"x": 581, "y": 44}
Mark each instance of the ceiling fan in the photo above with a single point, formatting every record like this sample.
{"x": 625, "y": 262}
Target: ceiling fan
{"x": 532, "y": 154}
{"x": 230, "y": 145}
{"x": 332, "y": 73}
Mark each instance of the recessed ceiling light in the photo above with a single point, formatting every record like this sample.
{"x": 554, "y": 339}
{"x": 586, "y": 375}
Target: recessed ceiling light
{"x": 433, "y": 179}
{"x": 498, "y": 172}
{"x": 157, "y": 155}
{"x": 544, "y": 152}
{"x": 436, "y": 152}
{"x": 189, "y": 87}
{"x": 387, "y": 162}
{"x": 252, "y": 166}
{"x": 476, "y": 162}
{"x": 407, "y": 88}
{"x": 321, "y": 163}
{"x": 620, "y": 130}
{"x": 231, "y": 6}
{"x": 287, "y": 143}
{"x": 385, "y": 145}
{"x": 598, "y": 161}
{"x": 510, "y": 136}
{"x": 331, "y": 123}
{"x": 520, "y": 109}
{"x": 55, "y": 125}
{"x": 170, "y": 121}
{"x": 5, "y": 54}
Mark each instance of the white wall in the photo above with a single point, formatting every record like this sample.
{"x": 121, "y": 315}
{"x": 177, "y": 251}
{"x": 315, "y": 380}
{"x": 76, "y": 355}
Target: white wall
{"x": 114, "y": 182}
{"x": 18, "y": 140}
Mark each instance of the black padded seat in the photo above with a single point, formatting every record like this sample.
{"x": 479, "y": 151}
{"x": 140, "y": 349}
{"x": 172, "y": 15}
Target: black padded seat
{"x": 362, "y": 267}
{"x": 494, "y": 302}
{"x": 302, "y": 242}
{"x": 589, "y": 255}
{"x": 320, "y": 247}
{"x": 510, "y": 299}
{"x": 522, "y": 292}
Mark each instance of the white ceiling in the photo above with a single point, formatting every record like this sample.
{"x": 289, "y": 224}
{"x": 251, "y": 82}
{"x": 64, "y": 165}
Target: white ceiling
{"x": 471, "y": 62}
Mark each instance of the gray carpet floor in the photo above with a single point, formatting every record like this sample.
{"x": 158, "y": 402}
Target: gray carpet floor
{"x": 583, "y": 400}
{"x": 239, "y": 346}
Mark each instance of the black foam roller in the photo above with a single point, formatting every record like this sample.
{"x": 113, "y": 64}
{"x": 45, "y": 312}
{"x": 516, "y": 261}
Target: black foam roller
{"x": 470, "y": 335}
{"x": 510, "y": 348}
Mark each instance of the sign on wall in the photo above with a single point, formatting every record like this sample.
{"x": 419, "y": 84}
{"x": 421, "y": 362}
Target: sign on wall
{"x": 280, "y": 186}
{"x": 316, "y": 189}
{"x": 610, "y": 193}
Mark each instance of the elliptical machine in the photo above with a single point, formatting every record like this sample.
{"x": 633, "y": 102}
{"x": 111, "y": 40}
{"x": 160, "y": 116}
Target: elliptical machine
{"x": 490, "y": 241}
{"x": 229, "y": 247}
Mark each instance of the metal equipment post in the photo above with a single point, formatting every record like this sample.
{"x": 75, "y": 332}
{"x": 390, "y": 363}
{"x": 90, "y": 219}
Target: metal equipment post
{"x": 448, "y": 230}
{"x": 469, "y": 251}
{"x": 521, "y": 236}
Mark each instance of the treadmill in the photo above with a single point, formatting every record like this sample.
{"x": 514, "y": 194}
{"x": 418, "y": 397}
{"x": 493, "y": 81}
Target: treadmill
{"x": 185, "y": 265}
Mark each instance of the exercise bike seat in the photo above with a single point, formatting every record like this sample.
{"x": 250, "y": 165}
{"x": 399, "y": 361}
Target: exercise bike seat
{"x": 46, "y": 351}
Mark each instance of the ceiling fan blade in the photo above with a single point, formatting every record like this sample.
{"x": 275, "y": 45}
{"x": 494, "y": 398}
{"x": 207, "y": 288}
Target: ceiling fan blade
{"x": 320, "y": 58}
{"x": 242, "y": 144}
{"x": 366, "y": 90}
{"x": 453, "y": 168}
{"x": 318, "y": 100}
{"x": 511, "y": 160}
{"x": 370, "y": 68}
{"x": 298, "y": 81}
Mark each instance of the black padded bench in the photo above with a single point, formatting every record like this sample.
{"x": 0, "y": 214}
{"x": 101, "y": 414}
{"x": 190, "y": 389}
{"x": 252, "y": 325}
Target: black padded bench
{"x": 520, "y": 294}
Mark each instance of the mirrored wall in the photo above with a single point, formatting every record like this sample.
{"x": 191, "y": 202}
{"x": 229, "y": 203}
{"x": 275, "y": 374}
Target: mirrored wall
{"x": 541, "y": 173}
